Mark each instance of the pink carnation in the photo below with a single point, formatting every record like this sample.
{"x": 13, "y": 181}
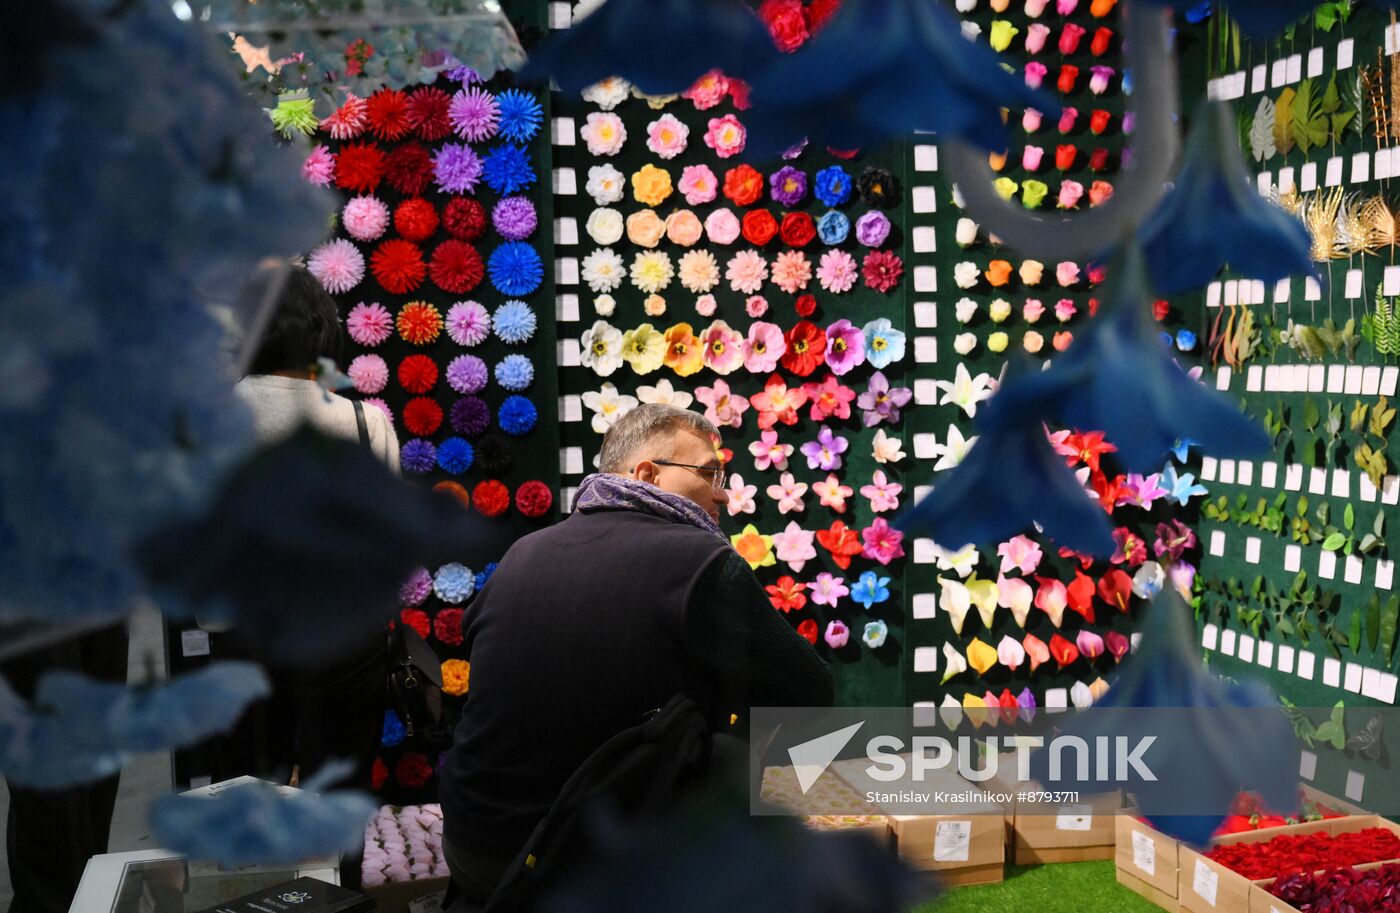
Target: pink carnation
{"x": 837, "y": 271}
{"x": 369, "y": 324}
{"x": 726, "y": 135}
{"x": 319, "y": 167}
{"x": 338, "y": 265}
{"x": 698, "y": 184}
{"x": 365, "y": 218}
{"x": 368, "y": 373}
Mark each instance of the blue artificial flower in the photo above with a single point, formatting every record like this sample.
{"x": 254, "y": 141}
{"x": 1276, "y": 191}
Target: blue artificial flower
{"x": 520, "y": 115}
{"x": 1118, "y": 379}
{"x": 514, "y": 322}
{"x": 454, "y": 583}
{"x": 517, "y": 416}
{"x": 662, "y": 46}
{"x": 882, "y": 69}
{"x": 1011, "y": 477}
{"x": 884, "y": 344}
{"x": 871, "y": 589}
{"x": 515, "y": 268}
{"x": 485, "y": 574}
{"x": 832, "y": 185}
{"x": 1182, "y": 448}
{"x": 507, "y": 169}
{"x": 833, "y": 228}
{"x": 1258, "y": 19}
{"x": 1214, "y": 216}
{"x": 875, "y": 633}
{"x": 1166, "y": 339}
{"x": 418, "y": 455}
{"x": 1199, "y": 13}
{"x": 515, "y": 372}
{"x": 1185, "y": 340}
{"x": 393, "y": 732}
{"x": 455, "y": 455}
{"x": 1228, "y": 734}
{"x": 1181, "y": 488}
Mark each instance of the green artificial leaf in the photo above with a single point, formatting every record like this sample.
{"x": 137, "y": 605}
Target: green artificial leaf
{"x": 1358, "y": 416}
{"x": 1354, "y": 635}
{"x": 1333, "y": 731}
{"x": 1299, "y": 583}
{"x": 1310, "y": 125}
{"x": 1310, "y": 414}
{"x": 1325, "y": 17}
{"x": 1389, "y": 617}
{"x": 1373, "y": 622}
{"x": 1261, "y": 132}
{"x": 1283, "y": 122}
{"x": 1349, "y": 518}
{"x": 1333, "y": 542}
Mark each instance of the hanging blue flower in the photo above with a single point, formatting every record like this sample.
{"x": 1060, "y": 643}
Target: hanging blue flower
{"x": 515, "y": 268}
{"x": 455, "y": 455}
{"x": 834, "y": 227}
{"x": 517, "y": 415}
{"x": 515, "y": 372}
{"x": 485, "y": 574}
{"x": 507, "y": 169}
{"x": 418, "y": 455}
{"x": 454, "y": 583}
{"x": 394, "y": 731}
{"x": 833, "y": 185}
{"x": 514, "y": 322}
{"x": 1199, "y": 13}
{"x": 520, "y": 115}
{"x": 1185, "y": 340}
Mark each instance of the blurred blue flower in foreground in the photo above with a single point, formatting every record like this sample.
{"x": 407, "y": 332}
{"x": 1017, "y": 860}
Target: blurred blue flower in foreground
{"x": 255, "y": 824}
{"x": 1010, "y": 477}
{"x": 1229, "y": 736}
{"x": 80, "y": 729}
{"x": 1259, "y": 19}
{"x": 306, "y": 545}
{"x": 662, "y": 46}
{"x": 882, "y": 69}
{"x": 1214, "y": 216}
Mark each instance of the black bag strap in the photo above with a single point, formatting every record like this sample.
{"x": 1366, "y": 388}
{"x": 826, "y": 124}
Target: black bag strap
{"x": 360, "y": 425}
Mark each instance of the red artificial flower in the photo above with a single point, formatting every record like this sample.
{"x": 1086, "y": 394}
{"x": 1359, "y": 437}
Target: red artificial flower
{"x": 357, "y": 53}
{"x": 805, "y": 305}
{"x": 422, "y": 416}
{"x": 1103, "y": 38}
{"x": 348, "y": 121}
{"x": 1064, "y": 651}
{"x": 777, "y": 402}
{"x": 464, "y": 219}
{"x": 417, "y": 619}
{"x": 418, "y": 323}
{"x": 759, "y": 226}
{"x": 1095, "y": 274}
{"x": 447, "y": 627}
{"x": 1070, "y": 36}
{"x": 743, "y": 185}
{"x": 1085, "y": 561}
{"x": 492, "y": 498}
{"x": 1069, "y": 74}
{"x": 1292, "y": 853}
{"x": 398, "y": 266}
{"x": 1132, "y": 549}
{"x": 1080, "y": 594}
{"x": 1109, "y": 491}
{"x": 1094, "y": 302}
{"x": 1087, "y": 447}
{"x": 456, "y": 267}
{"x": 378, "y": 774}
{"x": 413, "y": 770}
{"x": 806, "y": 348}
{"x": 842, "y": 542}
{"x": 881, "y": 270}
{"x": 1116, "y": 589}
{"x": 1161, "y": 308}
{"x": 1065, "y": 156}
{"x": 418, "y": 373}
{"x": 739, "y": 93}
{"x": 786, "y": 23}
{"x": 409, "y": 169}
{"x": 534, "y": 499}
{"x": 427, "y": 113}
{"x": 819, "y": 12}
{"x": 455, "y": 490}
{"x": 415, "y": 219}
{"x": 1098, "y": 161}
{"x": 807, "y": 630}
{"x": 1099, "y": 121}
{"x": 359, "y": 167}
{"x": 1100, "y": 192}
{"x": 798, "y": 229}
{"x": 388, "y": 114}
{"x": 787, "y": 595}
{"x": 1117, "y": 644}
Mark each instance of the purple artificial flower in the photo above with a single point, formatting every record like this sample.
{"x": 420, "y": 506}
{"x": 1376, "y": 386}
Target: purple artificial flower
{"x": 418, "y": 455}
{"x": 795, "y": 150}
{"x": 1026, "y": 699}
{"x": 1129, "y": 122}
{"x": 1102, "y": 76}
{"x": 464, "y": 74}
{"x": 825, "y": 452}
{"x": 873, "y": 228}
{"x": 468, "y": 323}
{"x": 1173, "y": 539}
{"x": 456, "y": 168}
{"x": 1141, "y": 491}
{"x": 470, "y": 416}
{"x": 467, "y": 374}
{"x": 474, "y": 114}
{"x": 787, "y": 186}
{"x": 845, "y": 346}
{"x": 881, "y": 402}
{"x": 515, "y": 218}
{"x": 416, "y": 588}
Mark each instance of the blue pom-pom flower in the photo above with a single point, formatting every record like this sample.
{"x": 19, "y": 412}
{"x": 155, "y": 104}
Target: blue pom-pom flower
{"x": 517, "y": 415}
{"x": 418, "y": 455}
{"x": 394, "y": 731}
{"x": 514, "y": 322}
{"x": 520, "y": 115}
{"x": 485, "y": 574}
{"x": 515, "y": 268}
{"x": 454, "y": 583}
{"x": 833, "y": 185}
{"x": 455, "y": 455}
{"x": 507, "y": 169}
{"x": 515, "y": 373}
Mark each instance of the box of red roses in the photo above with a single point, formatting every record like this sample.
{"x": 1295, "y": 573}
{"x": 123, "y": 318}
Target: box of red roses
{"x": 1145, "y": 859}
{"x": 1222, "y": 877}
{"x": 1372, "y": 886}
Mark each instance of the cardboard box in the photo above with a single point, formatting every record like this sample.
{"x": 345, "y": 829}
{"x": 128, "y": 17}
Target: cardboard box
{"x": 1155, "y": 895}
{"x": 1078, "y": 832}
{"x": 1206, "y": 886}
{"x": 1261, "y": 901}
{"x": 962, "y": 850}
{"x": 1145, "y": 856}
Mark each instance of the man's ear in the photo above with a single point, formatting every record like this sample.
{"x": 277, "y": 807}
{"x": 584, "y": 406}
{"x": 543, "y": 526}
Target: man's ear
{"x": 645, "y": 471}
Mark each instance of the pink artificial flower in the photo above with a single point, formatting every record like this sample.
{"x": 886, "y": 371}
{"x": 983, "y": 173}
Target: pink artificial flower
{"x": 726, "y": 135}
{"x": 1015, "y": 594}
{"x": 722, "y": 226}
{"x": 1066, "y": 7}
{"x": 1090, "y": 644}
{"x": 369, "y": 324}
{"x": 1071, "y": 192}
{"x": 1131, "y": 550}
{"x": 764, "y": 347}
{"x": 792, "y": 271}
{"x": 767, "y": 451}
{"x": 1067, "y": 118}
{"x": 778, "y": 402}
{"x": 1032, "y": 310}
{"x": 1031, "y": 157}
{"x": 788, "y": 493}
{"x": 1035, "y": 74}
{"x": 667, "y": 136}
{"x": 698, "y": 184}
{"x": 883, "y": 494}
{"x": 832, "y": 493}
{"x": 829, "y": 399}
{"x": 1174, "y": 539}
{"x": 1065, "y": 309}
{"x": 741, "y": 496}
{"x": 837, "y": 271}
{"x": 837, "y": 633}
{"x": 1067, "y": 273}
{"x": 1062, "y": 340}
{"x": 1070, "y": 36}
{"x": 708, "y": 91}
{"x": 724, "y": 348}
{"x": 1100, "y": 192}
{"x": 883, "y": 543}
{"x": 746, "y": 271}
{"x": 795, "y": 546}
{"x": 826, "y": 590}
{"x": 723, "y": 407}
{"x": 1102, "y": 76}
{"x": 845, "y": 346}
{"x": 1035, "y": 37}
{"x": 1031, "y": 118}
{"x": 1035, "y": 7}
{"x": 319, "y": 167}
{"x": 1019, "y": 553}
{"x": 1051, "y": 598}
{"x": 706, "y": 305}
{"x": 1140, "y": 491}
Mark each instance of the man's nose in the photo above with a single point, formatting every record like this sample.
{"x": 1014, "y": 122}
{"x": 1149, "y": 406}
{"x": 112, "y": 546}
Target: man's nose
{"x": 721, "y": 495}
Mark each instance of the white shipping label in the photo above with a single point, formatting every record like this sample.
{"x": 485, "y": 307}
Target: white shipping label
{"x": 1205, "y": 882}
{"x": 1144, "y": 852}
{"x": 951, "y": 841}
{"x": 1075, "y": 818}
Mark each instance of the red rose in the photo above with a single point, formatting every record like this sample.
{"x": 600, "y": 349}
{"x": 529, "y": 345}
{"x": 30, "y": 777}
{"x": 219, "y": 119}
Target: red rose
{"x": 798, "y": 229}
{"x": 759, "y": 226}
{"x": 819, "y": 12}
{"x": 743, "y": 185}
{"x": 447, "y": 626}
{"x": 422, "y": 416}
{"x": 534, "y": 499}
{"x": 1069, "y": 75}
{"x": 1065, "y": 156}
{"x": 378, "y": 774}
{"x": 418, "y": 373}
{"x": 413, "y": 770}
{"x": 806, "y": 305}
{"x": 1098, "y": 161}
{"x": 785, "y": 22}
{"x": 491, "y": 498}
{"x": 1161, "y": 308}
{"x": 1099, "y": 121}
{"x": 808, "y": 629}
{"x": 1103, "y": 38}
{"x": 416, "y": 619}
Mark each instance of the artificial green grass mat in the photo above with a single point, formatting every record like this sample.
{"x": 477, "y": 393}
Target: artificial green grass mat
{"x": 1069, "y": 887}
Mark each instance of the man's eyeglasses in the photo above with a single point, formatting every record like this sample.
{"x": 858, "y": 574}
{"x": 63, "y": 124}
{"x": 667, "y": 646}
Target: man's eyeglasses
{"x": 716, "y": 474}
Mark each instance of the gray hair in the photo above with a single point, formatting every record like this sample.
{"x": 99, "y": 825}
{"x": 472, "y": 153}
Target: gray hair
{"x": 641, "y": 427}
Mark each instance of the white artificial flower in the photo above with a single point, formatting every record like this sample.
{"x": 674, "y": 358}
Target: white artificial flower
{"x": 966, "y": 232}
{"x": 605, "y": 184}
{"x": 960, "y": 562}
{"x": 602, "y": 348}
{"x": 957, "y": 197}
{"x": 608, "y": 93}
{"x": 966, "y": 274}
{"x": 605, "y": 305}
{"x": 965, "y": 309}
{"x": 966, "y": 6}
{"x": 965, "y": 391}
{"x": 887, "y": 449}
{"x": 603, "y": 270}
{"x": 964, "y": 343}
{"x": 665, "y": 394}
{"x": 604, "y": 226}
{"x": 608, "y": 406}
{"x": 971, "y": 30}
{"x": 953, "y": 449}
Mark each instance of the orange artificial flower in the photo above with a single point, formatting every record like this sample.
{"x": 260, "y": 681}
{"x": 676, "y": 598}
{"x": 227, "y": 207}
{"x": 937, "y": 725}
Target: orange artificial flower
{"x": 455, "y": 675}
{"x": 998, "y": 273}
{"x": 685, "y": 353}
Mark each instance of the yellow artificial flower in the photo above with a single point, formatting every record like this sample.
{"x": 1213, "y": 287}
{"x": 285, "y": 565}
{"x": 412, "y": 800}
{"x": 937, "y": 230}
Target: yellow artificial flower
{"x": 685, "y": 353}
{"x": 644, "y": 348}
{"x": 651, "y": 185}
{"x": 754, "y": 547}
{"x": 981, "y": 656}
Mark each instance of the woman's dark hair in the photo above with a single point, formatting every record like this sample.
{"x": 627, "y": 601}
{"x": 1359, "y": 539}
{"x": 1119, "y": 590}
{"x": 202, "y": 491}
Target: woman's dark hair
{"x": 304, "y": 328}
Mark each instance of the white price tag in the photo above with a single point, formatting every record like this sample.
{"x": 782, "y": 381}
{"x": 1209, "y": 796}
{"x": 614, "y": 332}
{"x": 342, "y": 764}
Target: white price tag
{"x": 1308, "y": 181}
{"x": 1334, "y": 171}
{"x": 1205, "y": 882}
{"x": 194, "y": 643}
{"x": 1360, "y": 167}
{"x": 1295, "y": 68}
{"x": 1353, "y": 289}
{"x": 1315, "y": 62}
{"x": 1346, "y": 53}
{"x": 951, "y": 841}
{"x": 1278, "y": 73}
{"x": 1144, "y": 853}
{"x": 1259, "y": 78}
{"x": 1075, "y": 818}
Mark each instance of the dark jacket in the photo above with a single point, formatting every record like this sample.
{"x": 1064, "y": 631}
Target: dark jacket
{"x": 584, "y": 628}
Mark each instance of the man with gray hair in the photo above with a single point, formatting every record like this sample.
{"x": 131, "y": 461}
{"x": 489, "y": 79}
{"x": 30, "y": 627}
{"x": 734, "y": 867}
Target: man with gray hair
{"x": 589, "y": 624}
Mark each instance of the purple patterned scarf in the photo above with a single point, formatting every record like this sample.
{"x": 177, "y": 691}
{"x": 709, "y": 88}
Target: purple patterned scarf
{"x": 605, "y": 491}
